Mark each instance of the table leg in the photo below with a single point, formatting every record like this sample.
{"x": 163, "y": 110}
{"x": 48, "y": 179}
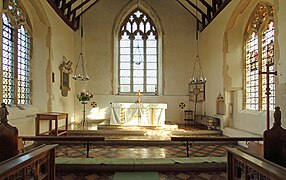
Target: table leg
{"x": 50, "y": 126}
{"x": 56, "y": 128}
{"x": 37, "y": 124}
{"x": 67, "y": 122}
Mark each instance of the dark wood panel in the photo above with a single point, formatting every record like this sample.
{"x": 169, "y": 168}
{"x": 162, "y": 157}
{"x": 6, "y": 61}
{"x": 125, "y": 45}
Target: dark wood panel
{"x": 37, "y": 164}
{"x": 244, "y": 166}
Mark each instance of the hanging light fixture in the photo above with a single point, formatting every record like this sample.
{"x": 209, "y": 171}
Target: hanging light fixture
{"x": 198, "y": 80}
{"x": 80, "y": 68}
{"x": 198, "y": 75}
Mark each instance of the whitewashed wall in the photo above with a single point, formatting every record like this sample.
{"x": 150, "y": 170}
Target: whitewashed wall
{"x": 178, "y": 53}
{"x": 51, "y": 40}
{"x": 222, "y": 53}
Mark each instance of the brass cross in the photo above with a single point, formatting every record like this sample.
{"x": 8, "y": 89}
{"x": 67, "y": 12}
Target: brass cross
{"x": 139, "y": 95}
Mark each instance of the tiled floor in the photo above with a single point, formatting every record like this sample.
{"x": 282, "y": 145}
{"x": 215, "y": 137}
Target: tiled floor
{"x": 166, "y": 150}
{"x": 210, "y": 175}
{"x": 145, "y": 151}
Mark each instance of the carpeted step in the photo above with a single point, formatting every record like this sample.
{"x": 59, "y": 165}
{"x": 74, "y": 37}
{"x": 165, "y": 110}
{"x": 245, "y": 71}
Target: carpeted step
{"x": 140, "y": 164}
{"x": 136, "y": 175}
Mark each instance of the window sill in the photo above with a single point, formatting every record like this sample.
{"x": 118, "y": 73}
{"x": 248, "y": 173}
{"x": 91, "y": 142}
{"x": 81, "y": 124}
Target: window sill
{"x": 254, "y": 112}
{"x": 21, "y": 111}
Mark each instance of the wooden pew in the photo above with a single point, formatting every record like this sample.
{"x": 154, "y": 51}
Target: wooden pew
{"x": 267, "y": 161}
{"x": 38, "y": 163}
{"x": 275, "y": 141}
{"x": 242, "y": 165}
{"x": 8, "y": 137}
{"x": 87, "y": 139}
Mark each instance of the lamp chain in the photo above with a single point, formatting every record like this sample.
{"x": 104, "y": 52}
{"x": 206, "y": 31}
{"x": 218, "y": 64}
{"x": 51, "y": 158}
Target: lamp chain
{"x": 77, "y": 73}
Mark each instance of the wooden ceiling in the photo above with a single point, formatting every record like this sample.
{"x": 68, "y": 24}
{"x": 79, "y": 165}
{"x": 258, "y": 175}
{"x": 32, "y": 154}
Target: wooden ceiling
{"x": 203, "y": 10}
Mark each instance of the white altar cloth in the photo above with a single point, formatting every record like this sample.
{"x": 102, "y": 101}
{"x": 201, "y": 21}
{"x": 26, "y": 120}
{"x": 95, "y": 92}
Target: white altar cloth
{"x": 143, "y": 114}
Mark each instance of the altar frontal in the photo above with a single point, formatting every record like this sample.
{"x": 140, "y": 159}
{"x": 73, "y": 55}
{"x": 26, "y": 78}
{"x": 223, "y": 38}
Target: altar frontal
{"x": 141, "y": 114}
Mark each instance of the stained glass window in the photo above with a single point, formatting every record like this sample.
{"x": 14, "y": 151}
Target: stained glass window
{"x": 252, "y": 73}
{"x": 7, "y": 60}
{"x": 260, "y": 52}
{"x": 16, "y": 60}
{"x": 23, "y": 66}
{"x": 138, "y": 54}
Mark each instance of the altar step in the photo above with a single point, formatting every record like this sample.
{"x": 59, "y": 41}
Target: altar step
{"x": 169, "y": 126}
{"x": 138, "y": 134}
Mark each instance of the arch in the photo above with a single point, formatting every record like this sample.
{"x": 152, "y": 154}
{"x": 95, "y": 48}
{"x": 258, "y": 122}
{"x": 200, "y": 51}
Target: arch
{"x": 124, "y": 12}
{"x": 243, "y": 9}
{"x": 43, "y": 17}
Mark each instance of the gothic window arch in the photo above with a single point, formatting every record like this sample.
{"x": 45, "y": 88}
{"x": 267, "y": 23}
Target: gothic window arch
{"x": 16, "y": 49}
{"x": 138, "y": 54}
{"x": 259, "y": 51}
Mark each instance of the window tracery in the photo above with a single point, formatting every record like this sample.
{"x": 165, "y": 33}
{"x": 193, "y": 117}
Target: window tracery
{"x": 138, "y": 54}
{"x": 16, "y": 56}
{"x": 259, "y": 51}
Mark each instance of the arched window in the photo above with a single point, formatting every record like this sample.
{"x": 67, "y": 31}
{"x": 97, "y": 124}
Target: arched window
{"x": 259, "y": 53}
{"x": 16, "y": 56}
{"x": 138, "y": 54}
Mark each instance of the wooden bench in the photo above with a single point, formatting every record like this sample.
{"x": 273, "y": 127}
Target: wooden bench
{"x": 8, "y": 137}
{"x": 242, "y": 165}
{"x": 275, "y": 141}
{"x": 257, "y": 161}
{"x": 36, "y": 164}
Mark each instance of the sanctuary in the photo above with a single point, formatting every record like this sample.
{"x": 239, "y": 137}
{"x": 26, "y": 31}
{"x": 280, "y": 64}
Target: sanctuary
{"x": 142, "y": 114}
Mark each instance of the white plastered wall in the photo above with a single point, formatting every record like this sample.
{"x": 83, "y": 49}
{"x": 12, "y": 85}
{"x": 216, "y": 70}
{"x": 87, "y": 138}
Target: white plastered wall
{"x": 178, "y": 54}
{"x": 222, "y": 55}
{"x": 51, "y": 40}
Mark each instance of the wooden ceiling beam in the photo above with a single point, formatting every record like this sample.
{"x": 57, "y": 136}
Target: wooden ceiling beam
{"x": 71, "y": 17}
{"x": 218, "y": 6}
{"x": 206, "y": 4}
{"x": 54, "y": 5}
{"x": 79, "y": 6}
{"x": 197, "y": 9}
{"x": 88, "y": 8}
{"x": 63, "y": 7}
{"x": 210, "y": 11}
{"x": 198, "y": 20}
{"x": 71, "y": 2}
{"x": 221, "y": 7}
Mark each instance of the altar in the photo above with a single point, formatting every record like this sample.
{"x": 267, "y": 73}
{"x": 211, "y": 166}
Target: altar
{"x": 141, "y": 114}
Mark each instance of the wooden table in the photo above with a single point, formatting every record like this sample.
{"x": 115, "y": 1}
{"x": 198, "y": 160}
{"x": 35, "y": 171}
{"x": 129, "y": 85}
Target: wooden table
{"x": 51, "y": 116}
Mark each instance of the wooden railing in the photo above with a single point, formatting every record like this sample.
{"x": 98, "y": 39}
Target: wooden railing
{"x": 242, "y": 165}
{"x": 36, "y": 164}
{"x": 86, "y": 139}
{"x": 190, "y": 140}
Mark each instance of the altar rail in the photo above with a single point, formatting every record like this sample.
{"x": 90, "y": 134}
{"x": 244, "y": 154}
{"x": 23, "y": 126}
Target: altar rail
{"x": 245, "y": 166}
{"x": 189, "y": 140}
{"x": 36, "y": 164}
{"x": 86, "y": 139}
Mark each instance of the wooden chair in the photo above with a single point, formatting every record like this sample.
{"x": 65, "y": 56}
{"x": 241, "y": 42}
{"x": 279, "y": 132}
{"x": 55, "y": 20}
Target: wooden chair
{"x": 189, "y": 117}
